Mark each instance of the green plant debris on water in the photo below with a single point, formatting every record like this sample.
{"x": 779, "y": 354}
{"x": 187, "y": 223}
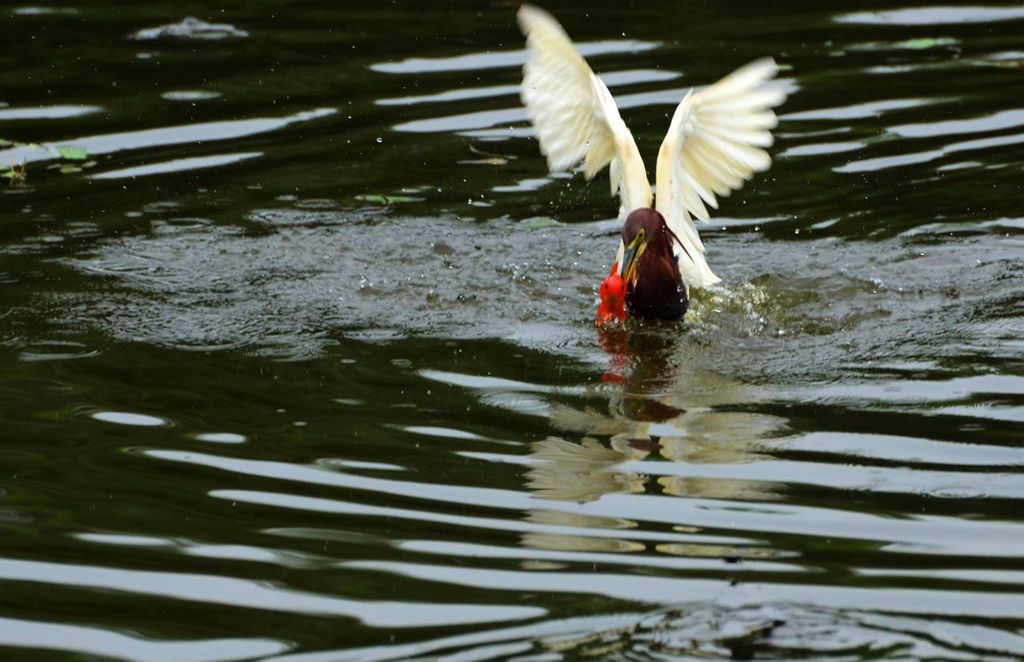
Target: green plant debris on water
{"x": 69, "y": 152}
{"x": 14, "y": 143}
{"x": 16, "y": 174}
{"x": 380, "y": 199}
{"x": 67, "y": 168}
{"x": 916, "y": 44}
{"x": 72, "y": 153}
{"x": 923, "y": 43}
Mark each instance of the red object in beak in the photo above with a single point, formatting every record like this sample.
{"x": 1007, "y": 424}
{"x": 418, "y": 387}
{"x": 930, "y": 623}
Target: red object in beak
{"x": 612, "y": 308}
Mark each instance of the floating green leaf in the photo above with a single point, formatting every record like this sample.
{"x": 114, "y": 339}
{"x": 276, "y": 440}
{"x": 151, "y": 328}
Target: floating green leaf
{"x": 72, "y": 153}
{"x": 923, "y": 43}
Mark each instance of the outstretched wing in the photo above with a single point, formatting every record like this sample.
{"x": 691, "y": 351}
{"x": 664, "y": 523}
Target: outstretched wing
{"x": 573, "y": 112}
{"x": 715, "y": 143}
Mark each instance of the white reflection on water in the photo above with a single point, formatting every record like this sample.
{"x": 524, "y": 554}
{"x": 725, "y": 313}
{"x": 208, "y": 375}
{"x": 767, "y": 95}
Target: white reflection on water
{"x": 934, "y": 15}
{"x": 612, "y": 79}
{"x": 232, "y": 592}
{"x": 881, "y": 163}
{"x": 659, "y": 406}
{"x": 46, "y": 112}
{"x": 937, "y": 534}
{"x": 675, "y": 591}
{"x": 710, "y": 631}
{"x": 177, "y": 165}
{"x": 510, "y": 58}
{"x": 1004, "y": 119}
{"x": 79, "y": 639}
{"x": 160, "y": 137}
{"x": 690, "y": 561}
{"x": 858, "y": 110}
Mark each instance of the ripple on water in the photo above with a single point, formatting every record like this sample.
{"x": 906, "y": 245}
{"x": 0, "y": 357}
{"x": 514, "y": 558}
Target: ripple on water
{"x": 191, "y": 28}
{"x": 385, "y": 426}
{"x": 196, "y": 133}
{"x": 951, "y": 15}
{"x": 503, "y": 59}
{"x": 177, "y": 165}
{"x": 129, "y": 418}
{"x": 57, "y": 350}
{"x": 46, "y": 113}
{"x": 190, "y": 95}
{"x": 103, "y": 642}
{"x": 232, "y": 592}
{"x": 296, "y": 283}
{"x": 222, "y": 437}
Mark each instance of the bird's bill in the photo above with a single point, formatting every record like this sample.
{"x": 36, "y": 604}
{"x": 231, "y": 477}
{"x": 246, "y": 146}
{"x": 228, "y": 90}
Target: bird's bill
{"x": 629, "y": 258}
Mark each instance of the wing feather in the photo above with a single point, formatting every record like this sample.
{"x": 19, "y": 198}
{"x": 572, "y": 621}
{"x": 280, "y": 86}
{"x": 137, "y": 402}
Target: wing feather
{"x": 715, "y": 144}
{"x": 573, "y": 112}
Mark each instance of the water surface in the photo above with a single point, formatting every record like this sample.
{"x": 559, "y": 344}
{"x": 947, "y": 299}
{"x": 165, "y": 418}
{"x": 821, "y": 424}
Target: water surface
{"x": 298, "y": 358}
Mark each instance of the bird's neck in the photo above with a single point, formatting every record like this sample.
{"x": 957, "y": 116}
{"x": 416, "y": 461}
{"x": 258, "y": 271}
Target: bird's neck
{"x": 659, "y": 292}
{"x": 659, "y": 253}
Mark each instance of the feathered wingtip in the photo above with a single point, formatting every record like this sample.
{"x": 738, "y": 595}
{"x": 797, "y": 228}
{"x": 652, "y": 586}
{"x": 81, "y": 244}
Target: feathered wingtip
{"x": 528, "y": 15}
{"x": 716, "y": 143}
{"x": 572, "y": 111}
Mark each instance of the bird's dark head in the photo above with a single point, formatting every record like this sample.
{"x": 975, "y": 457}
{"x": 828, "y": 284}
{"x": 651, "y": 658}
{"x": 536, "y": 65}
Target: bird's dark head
{"x": 646, "y": 279}
{"x": 644, "y": 229}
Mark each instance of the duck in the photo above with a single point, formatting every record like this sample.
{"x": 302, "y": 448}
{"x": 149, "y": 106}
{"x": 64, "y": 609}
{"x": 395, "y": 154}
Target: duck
{"x": 717, "y": 141}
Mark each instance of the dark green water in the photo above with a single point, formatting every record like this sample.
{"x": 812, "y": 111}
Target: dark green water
{"x": 250, "y": 410}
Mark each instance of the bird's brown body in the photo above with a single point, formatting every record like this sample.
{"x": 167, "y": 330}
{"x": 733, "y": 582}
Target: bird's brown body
{"x": 654, "y": 288}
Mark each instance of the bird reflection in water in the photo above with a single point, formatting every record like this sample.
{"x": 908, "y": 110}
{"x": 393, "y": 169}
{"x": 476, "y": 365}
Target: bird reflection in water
{"x": 660, "y": 407}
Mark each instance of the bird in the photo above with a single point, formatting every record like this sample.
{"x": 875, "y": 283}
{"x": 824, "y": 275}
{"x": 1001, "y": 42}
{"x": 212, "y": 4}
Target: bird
{"x": 716, "y": 142}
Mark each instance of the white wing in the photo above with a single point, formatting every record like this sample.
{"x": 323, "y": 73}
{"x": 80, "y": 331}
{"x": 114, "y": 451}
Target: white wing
{"x": 714, "y": 145}
{"x": 573, "y": 112}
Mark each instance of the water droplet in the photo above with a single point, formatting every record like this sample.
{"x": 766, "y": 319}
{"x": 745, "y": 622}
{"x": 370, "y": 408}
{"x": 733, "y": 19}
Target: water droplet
{"x": 379, "y": 139}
